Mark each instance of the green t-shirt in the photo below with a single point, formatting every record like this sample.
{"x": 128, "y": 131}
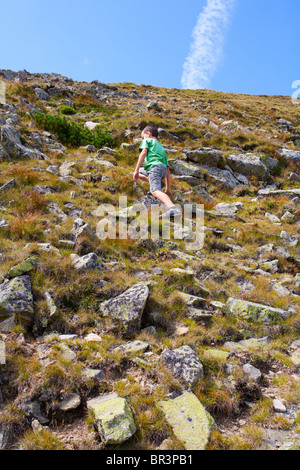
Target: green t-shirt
{"x": 156, "y": 153}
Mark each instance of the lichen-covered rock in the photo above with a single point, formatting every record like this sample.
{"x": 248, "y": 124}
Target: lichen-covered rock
{"x": 255, "y": 312}
{"x": 113, "y": 418}
{"x": 184, "y": 363}
{"x": 126, "y": 309}
{"x": 16, "y": 299}
{"x": 189, "y": 420}
{"x": 24, "y": 267}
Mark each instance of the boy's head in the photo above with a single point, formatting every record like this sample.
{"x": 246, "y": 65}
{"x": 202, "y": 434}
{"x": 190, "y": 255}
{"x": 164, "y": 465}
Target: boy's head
{"x": 150, "y": 131}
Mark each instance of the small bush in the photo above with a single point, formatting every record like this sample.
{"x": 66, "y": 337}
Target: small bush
{"x": 67, "y": 110}
{"x": 72, "y": 134}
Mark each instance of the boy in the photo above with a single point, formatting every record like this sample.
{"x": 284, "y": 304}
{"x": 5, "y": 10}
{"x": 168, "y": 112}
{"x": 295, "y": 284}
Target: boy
{"x": 156, "y": 169}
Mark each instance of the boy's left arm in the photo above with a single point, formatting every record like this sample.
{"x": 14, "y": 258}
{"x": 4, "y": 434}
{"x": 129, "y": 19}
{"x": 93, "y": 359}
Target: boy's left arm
{"x": 140, "y": 162}
{"x": 168, "y": 182}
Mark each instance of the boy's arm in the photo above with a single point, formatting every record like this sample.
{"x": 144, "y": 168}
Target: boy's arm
{"x": 140, "y": 162}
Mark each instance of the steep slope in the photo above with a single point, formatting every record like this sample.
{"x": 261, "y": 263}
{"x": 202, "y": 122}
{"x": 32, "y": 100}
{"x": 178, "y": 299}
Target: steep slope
{"x": 137, "y": 327}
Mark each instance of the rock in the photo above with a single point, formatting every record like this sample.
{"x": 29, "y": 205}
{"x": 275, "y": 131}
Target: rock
{"x": 294, "y": 177}
{"x": 113, "y": 418}
{"x": 153, "y": 106}
{"x": 133, "y": 348}
{"x": 53, "y": 169}
{"x": 228, "y": 209}
{"x": 290, "y": 155}
{"x": 23, "y": 268}
{"x": 248, "y": 165}
{"x": 82, "y": 229}
{"x": 278, "y": 406}
{"x": 3, "y": 223}
{"x": 184, "y": 364}
{"x": 13, "y": 148}
{"x": 52, "y": 309}
{"x": 273, "y": 218}
{"x": 2, "y": 353}
{"x": 180, "y": 167}
{"x": 225, "y": 178}
{"x": 190, "y": 422}
{"x": 9, "y": 185}
{"x": 252, "y": 372}
{"x": 65, "y": 168}
{"x": 16, "y": 299}
{"x": 93, "y": 338}
{"x": 42, "y": 94}
{"x": 288, "y": 239}
{"x": 93, "y": 374}
{"x": 127, "y": 309}
{"x": 67, "y": 353}
{"x": 204, "y": 156}
{"x": 191, "y": 300}
{"x": 255, "y": 312}
{"x": 70, "y": 403}
{"x": 279, "y": 192}
{"x": 216, "y": 355}
{"x": 88, "y": 262}
{"x": 287, "y": 217}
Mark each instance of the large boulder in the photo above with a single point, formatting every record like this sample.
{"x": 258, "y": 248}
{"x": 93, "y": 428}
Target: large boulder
{"x": 184, "y": 364}
{"x": 16, "y": 299}
{"x": 126, "y": 309}
{"x": 13, "y": 147}
{"x": 204, "y": 156}
{"x": 248, "y": 165}
{"x": 113, "y": 418}
{"x": 190, "y": 422}
{"x": 255, "y": 312}
{"x": 290, "y": 155}
{"x": 182, "y": 168}
{"x": 225, "y": 178}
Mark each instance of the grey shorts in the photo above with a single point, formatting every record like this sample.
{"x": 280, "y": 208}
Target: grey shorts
{"x": 156, "y": 175}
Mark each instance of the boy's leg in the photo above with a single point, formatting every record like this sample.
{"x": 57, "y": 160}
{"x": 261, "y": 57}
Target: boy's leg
{"x": 156, "y": 175}
{"x": 163, "y": 197}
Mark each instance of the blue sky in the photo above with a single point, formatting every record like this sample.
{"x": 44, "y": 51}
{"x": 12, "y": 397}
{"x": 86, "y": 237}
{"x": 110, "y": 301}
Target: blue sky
{"x": 256, "y": 51}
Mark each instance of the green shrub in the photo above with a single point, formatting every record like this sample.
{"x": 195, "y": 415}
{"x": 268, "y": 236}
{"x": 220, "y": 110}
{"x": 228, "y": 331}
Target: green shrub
{"x": 72, "y": 134}
{"x": 67, "y": 110}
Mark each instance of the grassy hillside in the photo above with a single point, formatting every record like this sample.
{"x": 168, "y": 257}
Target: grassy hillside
{"x": 58, "y": 169}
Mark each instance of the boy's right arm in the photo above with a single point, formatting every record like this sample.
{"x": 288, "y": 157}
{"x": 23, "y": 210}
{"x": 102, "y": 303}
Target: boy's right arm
{"x": 139, "y": 164}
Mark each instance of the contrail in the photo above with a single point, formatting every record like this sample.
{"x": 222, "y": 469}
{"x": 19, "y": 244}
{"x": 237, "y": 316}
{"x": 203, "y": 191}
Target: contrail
{"x": 207, "y": 46}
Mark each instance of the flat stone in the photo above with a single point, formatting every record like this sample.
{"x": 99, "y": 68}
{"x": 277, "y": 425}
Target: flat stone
{"x": 70, "y": 403}
{"x": 255, "y": 312}
{"x": 190, "y": 422}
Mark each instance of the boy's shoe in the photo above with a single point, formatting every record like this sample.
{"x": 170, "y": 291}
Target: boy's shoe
{"x": 173, "y": 211}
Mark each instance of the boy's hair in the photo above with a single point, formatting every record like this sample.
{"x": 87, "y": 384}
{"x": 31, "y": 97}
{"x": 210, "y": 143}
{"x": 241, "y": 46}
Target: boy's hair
{"x": 152, "y": 129}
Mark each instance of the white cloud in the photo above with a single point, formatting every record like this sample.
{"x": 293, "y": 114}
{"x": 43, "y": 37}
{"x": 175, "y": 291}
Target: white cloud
{"x": 207, "y": 47}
